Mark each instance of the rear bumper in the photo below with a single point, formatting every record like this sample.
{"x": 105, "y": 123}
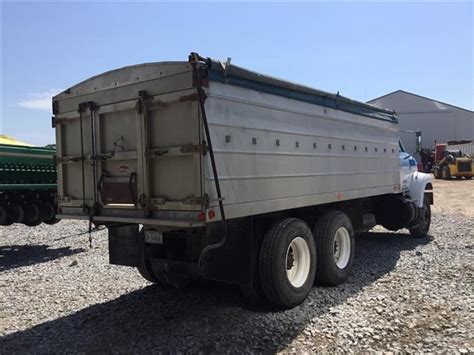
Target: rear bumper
{"x": 217, "y": 255}
{"x": 171, "y": 219}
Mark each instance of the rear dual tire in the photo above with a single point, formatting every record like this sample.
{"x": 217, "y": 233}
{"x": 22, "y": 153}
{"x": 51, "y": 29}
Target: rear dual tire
{"x": 287, "y": 262}
{"x": 335, "y": 248}
{"x": 160, "y": 277}
{"x": 145, "y": 267}
{"x": 292, "y": 258}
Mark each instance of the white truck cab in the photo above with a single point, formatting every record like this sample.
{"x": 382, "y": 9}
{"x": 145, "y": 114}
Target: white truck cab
{"x": 412, "y": 182}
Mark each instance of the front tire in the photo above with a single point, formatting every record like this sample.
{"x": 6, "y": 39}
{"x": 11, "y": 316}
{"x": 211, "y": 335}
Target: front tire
{"x": 287, "y": 262}
{"x": 422, "y": 227}
{"x": 335, "y": 246}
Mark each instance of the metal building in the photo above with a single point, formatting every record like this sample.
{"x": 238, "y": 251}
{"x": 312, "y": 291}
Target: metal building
{"x": 436, "y": 120}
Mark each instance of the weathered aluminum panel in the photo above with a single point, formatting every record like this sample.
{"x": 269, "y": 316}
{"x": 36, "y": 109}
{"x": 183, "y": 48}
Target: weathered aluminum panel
{"x": 145, "y": 161}
{"x": 124, "y": 83}
{"x": 135, "y": 124}
{"x": 274, "y": 153}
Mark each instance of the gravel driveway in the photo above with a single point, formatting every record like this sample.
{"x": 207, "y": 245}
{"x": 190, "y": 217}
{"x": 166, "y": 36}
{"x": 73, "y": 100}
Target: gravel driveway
{"x": 58, "y": 295}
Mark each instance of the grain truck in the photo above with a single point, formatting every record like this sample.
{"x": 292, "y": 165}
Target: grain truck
{"x": 200, "y": 168}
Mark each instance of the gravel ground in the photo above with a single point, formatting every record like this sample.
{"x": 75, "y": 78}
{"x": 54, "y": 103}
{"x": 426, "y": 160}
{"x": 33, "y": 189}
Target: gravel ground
{"x": 57, "y": 295}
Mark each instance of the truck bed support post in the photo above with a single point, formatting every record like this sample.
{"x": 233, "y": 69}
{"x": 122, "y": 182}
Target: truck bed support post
{"x": 81, "y": 108}
{"x": 194, "y": 58}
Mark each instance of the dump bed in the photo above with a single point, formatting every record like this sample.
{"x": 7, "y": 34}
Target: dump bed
{"x": 132, "y": 145}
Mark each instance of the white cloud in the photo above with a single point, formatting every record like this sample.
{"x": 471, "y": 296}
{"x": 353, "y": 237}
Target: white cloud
{"x": 39, "y": 101}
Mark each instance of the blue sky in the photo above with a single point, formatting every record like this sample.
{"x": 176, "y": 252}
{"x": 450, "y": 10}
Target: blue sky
{"x": 363, "y": 50}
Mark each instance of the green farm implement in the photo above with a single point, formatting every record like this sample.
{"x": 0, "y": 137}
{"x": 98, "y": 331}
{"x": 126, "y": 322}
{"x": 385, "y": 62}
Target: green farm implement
{"x": 27, "y": 185}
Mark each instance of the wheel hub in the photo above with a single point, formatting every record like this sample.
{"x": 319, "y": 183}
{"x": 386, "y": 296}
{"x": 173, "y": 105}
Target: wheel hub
{"x": 298, "y": 262}
{"x": 342, "y": 247}
{"x": 336, "y": 248}
{"x": 290, "y": 260}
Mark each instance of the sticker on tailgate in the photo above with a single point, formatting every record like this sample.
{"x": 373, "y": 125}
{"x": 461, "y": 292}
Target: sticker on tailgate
{"x": 123, "y": 169}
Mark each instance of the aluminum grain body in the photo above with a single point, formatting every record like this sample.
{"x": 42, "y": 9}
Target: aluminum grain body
{"x": 143, "y": 135}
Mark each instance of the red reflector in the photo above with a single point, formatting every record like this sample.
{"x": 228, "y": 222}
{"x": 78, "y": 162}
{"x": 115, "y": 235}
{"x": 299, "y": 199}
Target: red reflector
{"x": 211, "y": 214}
{"x": 202, "y": 216}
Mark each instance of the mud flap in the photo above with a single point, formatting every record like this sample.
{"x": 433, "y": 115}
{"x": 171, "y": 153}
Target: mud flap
{"x": 124, "y": 245}
{"x": 230, "y": 260}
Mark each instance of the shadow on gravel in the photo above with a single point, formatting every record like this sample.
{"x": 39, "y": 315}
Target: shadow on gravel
{"x": 13, "y": 256}
{"x": 205, "y": 318}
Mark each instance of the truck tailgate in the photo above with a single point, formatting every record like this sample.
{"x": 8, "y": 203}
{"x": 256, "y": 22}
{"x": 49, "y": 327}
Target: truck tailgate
{"x": 128, "y": 146}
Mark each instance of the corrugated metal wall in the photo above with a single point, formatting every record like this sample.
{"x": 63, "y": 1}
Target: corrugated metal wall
{"x": 436, "y": 120}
